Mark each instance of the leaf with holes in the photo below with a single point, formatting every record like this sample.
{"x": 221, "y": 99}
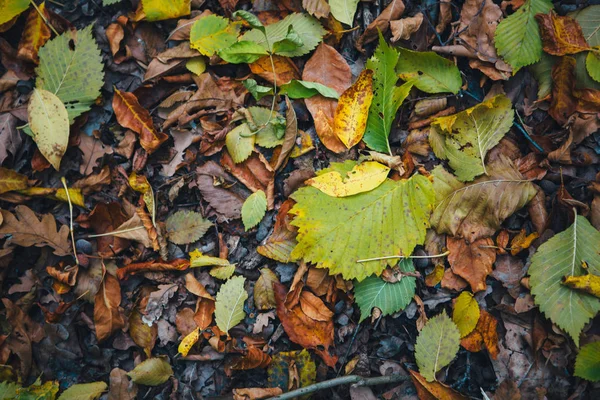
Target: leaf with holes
{"x": 229, "y": 305}
{"x": 185, "y": 227}
{"x": 465, "y": 138}
{"x": 437, "y": 345}
{"x": 561, "y": 256}
{"x": 388, "y": 297}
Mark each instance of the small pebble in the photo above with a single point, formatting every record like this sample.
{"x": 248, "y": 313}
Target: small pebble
{"x": 548, "y": 186}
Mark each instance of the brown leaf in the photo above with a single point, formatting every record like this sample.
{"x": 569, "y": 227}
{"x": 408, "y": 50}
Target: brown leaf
{"x": 228, "y": 5}
{"x": 381, "y": 24}
{"x": 107, "y": 316}
{"x": 256, "y": 393}
{"x": 510, "y": 270}
{"x": 92, "y": 150}
{"x": 452, "y": 281}
{"x": 10, "y": 138}
{"x": 130, "y": 114}
{"x": 472, "y": 262}
{"x": 35, "y": 35}
{"x": 507, "y": 390}
{"x": 433, "y": 390}
{"x": 205, "y": 308}
{"x": 289, "y": 138}
{"x": 319, "y": 281}
{"x": 561, "y": 34}
{"x": 153, "y": 266}
{"x": 301, "y": 329}
{"x": 254, "y": 358}
{"x": 227, "y": 204}
{"x": 106, "y": 218}
{"x": 194, "y": 286}
{"x": 326, "y": 66}
{"x": 563, "y": 103}
{"x": 402, "y": 29}
{"x": 282, "y": 241}
{"x": 184, "y": 26}
{"x": 485, "y": 335}
{"x": 26, "y": 230}
{"x": 264, "y": 297}
{"x": 184, "y": 321}
{"x": 121, "y": 388}
{"x": 255, "y": 173}
{"x": 314, "y": 307}
{"x": 285, "y": 69}
{"x": 93, "y": 183}
{"x": 142, "y": 334}
{"x": 182, "y": 140}
{"x": 316, "y": 8}
{"x": 445, "y": 16}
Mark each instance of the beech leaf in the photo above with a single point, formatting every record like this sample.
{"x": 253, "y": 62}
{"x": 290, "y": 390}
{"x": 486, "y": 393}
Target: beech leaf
{"x": 84, "y": 391}
{"x": 229, "y": 305}
{"x": 185, "y": 227}
{"x": 152, "y": 372}
{"x": 254, "y": 209}
{"x": 437, "y": 345}
{"x": 466, "y": 313}
{"x": 264, "y": 297}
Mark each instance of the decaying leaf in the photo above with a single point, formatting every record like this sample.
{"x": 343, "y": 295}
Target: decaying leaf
{"x": 264, "y": 296}
{"x": 485, "y": 335}
{"x": 107, "y": 315}
{"x": 185, "y": 227}
{"x": 561, "y": 35}
{"x": 280, "y": 244}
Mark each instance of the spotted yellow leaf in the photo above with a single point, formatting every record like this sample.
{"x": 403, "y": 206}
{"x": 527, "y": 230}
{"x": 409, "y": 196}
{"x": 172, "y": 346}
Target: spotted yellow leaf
{"x": 362, "y": 178}
{"x": 350, "y": 120}
{"x": 188, "y": 342}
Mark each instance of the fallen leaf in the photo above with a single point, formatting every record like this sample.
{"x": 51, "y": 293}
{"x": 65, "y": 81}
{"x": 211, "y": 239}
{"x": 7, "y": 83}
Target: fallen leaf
{"x": 152, "y": 266}
{"x": 589, "y": 283}
{"x": 120, "y": 386}
{"x": 285, "y": 69}
{"x": 437, "y": 345}
{"x": 509, "y": 270}
{"x": 350, "y": 120}
{"x": 314, "y": 307}
{"x": 522, "y": 241}
{"x": 433, "y": 390}
{"x": 256, "y": 393}
{"x": 472, "y": 262}
{"x": 106, "y": 218}
{"x": 264, "y": 297}
{"x": 92, "y": 150}
{"x": 465, "y": 313}
{"x": 143, "y": 335}
{"x": 381, "y": 24}
{"x": 186, "y": 227}
{"x": 402, "y": 29}
{"x": 227, "y": 204}
{"x": 152, "y": 372}
{"x": 11, "y": 180}
{"x": 362, "y": 178}
{"x": 279, "y": 245}
{"x": 84, "y": 391}
{"x": 561, "y": 34}
{"x": 563, "y": 103}
{"x": 35, "y": 34}
{"x": 254, "y": 358}
{"x": 289, "y": 137}
{"x": 229, "y": 305}
{"x": 485, "y": 335}
{"x": 255, "y": 173}
{"x": 107, "y": 315}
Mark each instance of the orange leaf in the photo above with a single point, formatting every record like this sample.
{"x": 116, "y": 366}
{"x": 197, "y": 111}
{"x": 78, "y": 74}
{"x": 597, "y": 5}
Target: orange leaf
{"x": 254, "y": 358}
{"x": 472, "y": 262}
{"x": 484, "y": 334}
{"x": 285, "y": 69}
{"x": 433, "y": 390}
{"x": 563, "y": 103}
{"x": 204, "y": 312}
{"x": 107, "y": 316}
{"x": 256, "y": 393}
{"x": 254, "y": 172}
{"x": 130, "y": 114}
{"x": 151, "y": 266}
{"x": 282, "y": 241}
{"x": 561, "y": 35}
{"x": 35, "y": 34}
{"x": 314, "y": 307}
{"x": 351, "y": 114}
{"x": 301, "y": 329}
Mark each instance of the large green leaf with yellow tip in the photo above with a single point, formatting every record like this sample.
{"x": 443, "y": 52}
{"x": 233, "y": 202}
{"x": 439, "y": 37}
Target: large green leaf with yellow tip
{"x": 337, "y": 232}
{"x": 560, "y": 256}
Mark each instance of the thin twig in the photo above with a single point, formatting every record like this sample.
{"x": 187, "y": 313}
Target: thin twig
{"x": 401, "y": 257}
{"x": 64, "y": 182}
{"x": 344, "y": 380}
{"x": 43, "y": 17}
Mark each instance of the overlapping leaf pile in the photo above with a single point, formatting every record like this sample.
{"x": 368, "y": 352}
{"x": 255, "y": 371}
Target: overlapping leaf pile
{"x": 211, "y": 198}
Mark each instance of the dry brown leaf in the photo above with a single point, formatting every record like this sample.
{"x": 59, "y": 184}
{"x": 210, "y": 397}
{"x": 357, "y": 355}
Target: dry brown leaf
{"x": 142, "y": 334}
{"x": 255, "y": 173}
{"x": 107, "y": 316}
{"x": 472, "y": 262}
{"x": 256, "y": 393}
{"x": 563, "y": 103}
{"x": 509, "y": 270}
{"x": 106, "y": 218}
{"x": 381, "y": 24}
{"x": 121, "y": 388}
{"x": 433, "y": 390}
{"x": 285, "y": 69}
{"x": 537, "y": 211}
{"x": 179, "y": 264}
{"x": 319, "y": 281}
{"x": 485, "y": 335}
{"x": 227, "y": 204}
{"x": 254, "y": 358}
{"x": 316, "y": 8}
{"x": 184, "y": 26}
{"x": 452, "y": 281}
{"x": 92, "y": 149}
{"x": 403, "y": 28}
{"x": 314, "y": 307}
{"x": 561, "y": 34}
{"x": 279, "y": 245}
{"x": 289, "y": 138}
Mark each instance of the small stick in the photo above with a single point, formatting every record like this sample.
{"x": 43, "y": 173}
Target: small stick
{"x": 64, "y": 182}
{"x": 43, "y": 17}
{"x": 344, "y": 380}
{"x": 401, "y": 257}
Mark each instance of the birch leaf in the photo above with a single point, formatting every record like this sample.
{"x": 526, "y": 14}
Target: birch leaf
{"x": 240, "y": 143}
{"x": 254, "y": 209}
{"x": 428, "y": 71}
{"x": 343, "y": 10}
{"x": 587, "y": 363}
{"x": 185, "y": 227}
{"x": 229, "y": 305}
{"x": 561, "y": 256}
{"x": 465, "y": 138}
{"x": 437, "y": 345}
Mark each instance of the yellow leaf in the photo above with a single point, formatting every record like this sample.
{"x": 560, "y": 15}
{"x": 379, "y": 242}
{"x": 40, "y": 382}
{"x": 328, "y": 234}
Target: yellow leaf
{"x": 11, "y": 180}
{"x": 75, "y": 195}
{"x": 197, "y": 65}
{"x": 466, "y": 313}
{"x": 197, "y": 259}
{"x": 585, "y": 283}
{"x": 222, "y": 272}
{"x": 522, "y": 242}
{"x": 351, "y": 114}
{"x": 158, "y": 10}
{"x": 140, "y": 184}
{"x": 362, "y": 178}
{"x": 188, "y": 342}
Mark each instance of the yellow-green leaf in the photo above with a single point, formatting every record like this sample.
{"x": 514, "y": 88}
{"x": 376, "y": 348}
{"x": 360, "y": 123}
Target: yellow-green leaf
{"x": 592, "y": 64}
{"x": 587, "y": 363}
{"x": 229, "y": 304}
{"x": 185, "y": 227}
{"x": 197, "y": 259}
{"x": 11, "y": 180}
{"x": 196, "y": 65}
{"x": 428, "y": 71}
{"x": 240, "y": 143}
{"x": 352, "y": 111}
{"x": 212, "y": 33}
{"x": 466, "y": 313}
{"x": 362, "y": 178}
{"x": 84, "y": 391}
{"x": 49, "y": 122}
{"x": 437, "y": 345}
{"x": 152, "y": 372}
{"x": 337, "y": 232}
{"x": 222, "y": 272}
{"x": 343, "y": 10}
{"x": 11, "y": 8}
{"x": 158, "y": 10}
{"x": 465, "y": 138}
{"x": 254, "y": 209}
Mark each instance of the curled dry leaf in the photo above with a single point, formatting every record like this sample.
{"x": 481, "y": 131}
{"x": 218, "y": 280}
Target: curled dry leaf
{"x": 152, "y": 266}
{"x": 107, "y": 315}
{"x": 227, "y": 204}
{"x": 130, "y": 114}
{"x": 433, "y": 390}
{"x": 381, "y": 24}
{"x": 282, "y": 241}
{"x": 256, "y": 393}
{"x": 402, "y": 29}
{"x": 254, "y": 358}
{"x": 254, "y": 172}
{"x": 314, "y": 307}
{"x": 472, "y": 262}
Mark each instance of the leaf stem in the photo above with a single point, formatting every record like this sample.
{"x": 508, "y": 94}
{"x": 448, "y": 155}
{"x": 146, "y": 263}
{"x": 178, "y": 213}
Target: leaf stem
{"x": 274, "y": 85}
{"x": 64, "y": 182}
{"x": 43, "y": 17}
{"x": 401, "y": 257}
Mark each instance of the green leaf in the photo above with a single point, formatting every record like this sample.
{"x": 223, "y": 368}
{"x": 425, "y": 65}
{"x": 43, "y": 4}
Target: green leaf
{"x": 309, "y": 29}
{"x": 152, "y": 372}
{"x": 242, "y": 52}
{"x": 517, "y": 37}
{"x": 465, "y": 138}
{"x": 336, "y": 232}
{"x": 428, "y": 71}
{"x": 254, "y": 209}
{"x": 344, "y": 10}
{"x": 587, "y": 363}
{"x": 38, "y": 391}
{"x": 589, "y": 20}
{"x": 583, "y": 80}
{"x": 11, "y": 8}
{"x": 222, "y": 272}
{"x": 250, "y": 18}
{"x": 109, "y": 2}
{"x": 476, "y": 210}
{"x": 185, "y": 227}
{"x": 257, "y": 91}
{"x": 592, "y": 63}
{"x": 290, "y": 43}
{"x": 49, "y": 122}
{"x": 158, "y": 10}
{"x": 270, "y": 135}
{"x": 437, "y": 345}
{"x": 212, "y": 33}
{"x": 388, "y": 297}
{"x": 71, "y": 68}
{"x": 229, "y": 305}
{"x": 297, "y": 89}
{"x": 240, "y": 143}
{"x": 542, "y": 71}
{"x": 8, "y": 390}
{"x": 84, "y": 391}
{"x": 387, "y": 97}
{"x": 560, "y": 256}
